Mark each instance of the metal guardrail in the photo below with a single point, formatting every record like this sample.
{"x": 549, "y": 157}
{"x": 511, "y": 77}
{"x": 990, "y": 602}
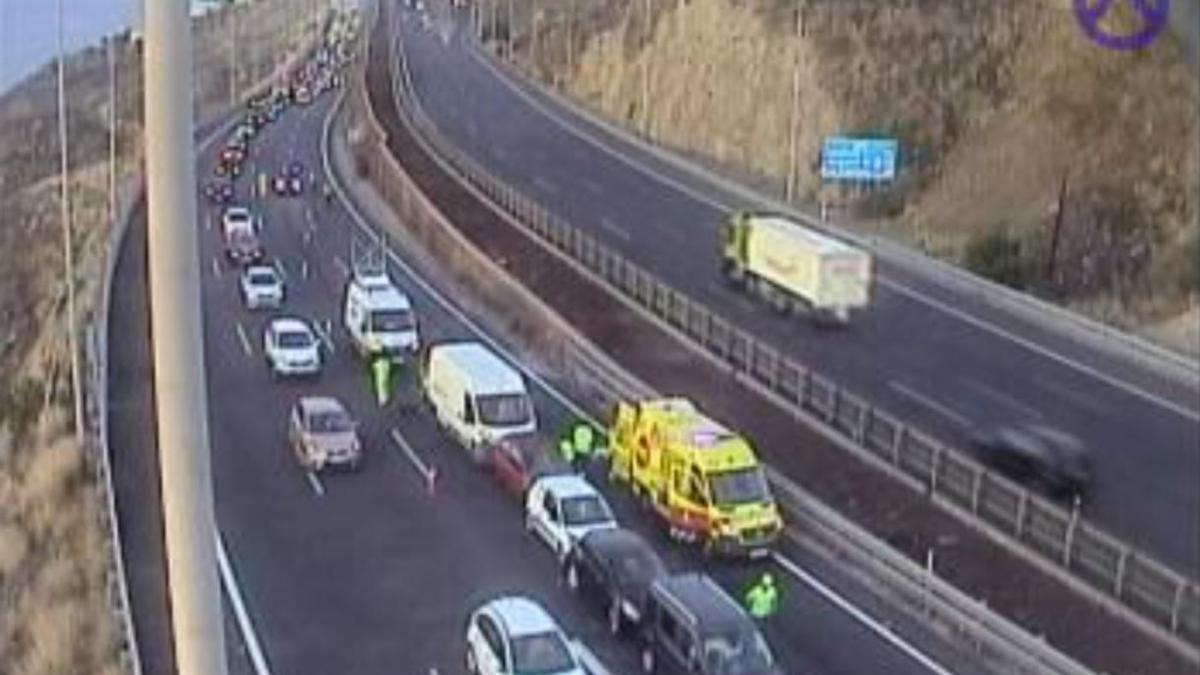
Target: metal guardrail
{"x": 1167, "y": 362}
{"x": 1149, "y": 589}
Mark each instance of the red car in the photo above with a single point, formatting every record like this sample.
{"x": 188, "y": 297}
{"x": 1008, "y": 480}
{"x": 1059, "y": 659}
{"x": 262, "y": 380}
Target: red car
{"x": 519, "y": 460}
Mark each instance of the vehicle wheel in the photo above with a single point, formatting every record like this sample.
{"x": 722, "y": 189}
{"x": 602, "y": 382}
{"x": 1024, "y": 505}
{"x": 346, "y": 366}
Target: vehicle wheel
{"x": 471, "y": 667}
{"x": 572, "y": 577}
{"x": 614, "y": 617}
{"x": 648, "y": 660}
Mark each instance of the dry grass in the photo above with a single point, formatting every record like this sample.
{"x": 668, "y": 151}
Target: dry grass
{"x": 992, "y": 102}
{"x": 55, "y": 614}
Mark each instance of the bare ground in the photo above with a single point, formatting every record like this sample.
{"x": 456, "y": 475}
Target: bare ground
{"x": 994, "y": 104}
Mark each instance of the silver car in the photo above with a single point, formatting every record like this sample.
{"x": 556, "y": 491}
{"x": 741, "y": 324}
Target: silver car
{"x": 323, "y": 435}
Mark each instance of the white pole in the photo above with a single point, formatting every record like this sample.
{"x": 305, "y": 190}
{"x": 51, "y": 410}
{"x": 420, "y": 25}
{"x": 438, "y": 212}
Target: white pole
{"x": 68, "y": 244}
{"x": 793, "y": 119}
{"x": 189, "y": 524}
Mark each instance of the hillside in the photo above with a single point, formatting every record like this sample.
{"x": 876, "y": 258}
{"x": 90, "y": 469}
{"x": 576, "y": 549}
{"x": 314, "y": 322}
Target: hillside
{"x": 995, "y": 104}
{"x": 55, "y": 609}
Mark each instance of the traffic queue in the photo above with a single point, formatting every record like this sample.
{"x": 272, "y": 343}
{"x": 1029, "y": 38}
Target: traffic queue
{"x": 702, "y": 481}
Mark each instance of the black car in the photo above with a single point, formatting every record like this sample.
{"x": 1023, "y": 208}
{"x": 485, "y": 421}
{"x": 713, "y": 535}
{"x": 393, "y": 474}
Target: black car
{"x": 615, "y": 567}
{"x": 1037, "y": 455}
{"x": 692, "y": 626}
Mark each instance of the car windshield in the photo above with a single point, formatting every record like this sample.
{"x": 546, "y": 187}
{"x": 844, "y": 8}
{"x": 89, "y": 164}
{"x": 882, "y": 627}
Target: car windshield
{"x": 329, "y": 422}
{"x": 503, "y": 409}
{"x": 738, "y": 653}
{"x": 588, "y": 510}
{"x": 295, "y": 339}
{"x": 541, "y": 654}
{"x": 743, "y": 486}
{"x": 391, "y": 320}
{"x": 263, "y": 278}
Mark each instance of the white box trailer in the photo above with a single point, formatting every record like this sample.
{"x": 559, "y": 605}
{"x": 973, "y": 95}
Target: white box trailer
{"x": 796, "y": 267}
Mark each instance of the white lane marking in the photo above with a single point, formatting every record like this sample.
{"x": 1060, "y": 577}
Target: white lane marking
{"x": 216, "y": 267}
{"x": 544, "y": 184}
{"x": 257, "y": 657}
{"x": 614, "y": 229}
{"x": 593, "y": 186}
{"x": 862, "y": 617}
{"x": 427, "y": 471}
{"x": 341, "y": 265}
{"x": 937, "y": 407}
{"x": 324, "y": 329}
{"x": 208, "y": 221}
{"x": 572, "y": 128}
{"x": 315, "y": 483}
{"x": 1078, "y": 398}
{"x": 1002, "y": 398}
{"x": 484, "y": 337}
{"x": 1193, "y": 415}
{"x": 241, "y": 333}
{"x": 281, "y": 269}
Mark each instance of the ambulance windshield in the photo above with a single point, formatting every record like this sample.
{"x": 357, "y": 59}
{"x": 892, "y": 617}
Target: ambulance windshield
{"x": 743, "y": 486}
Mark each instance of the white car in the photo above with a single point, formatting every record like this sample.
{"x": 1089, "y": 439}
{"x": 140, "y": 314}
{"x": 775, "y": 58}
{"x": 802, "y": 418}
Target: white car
{"x": 514, "y": 635}
{"x": 261, "y": 286}
{"x": 559, "y": 510}
{"x": 236, "y": 218}
{"x": 291, "y": 348}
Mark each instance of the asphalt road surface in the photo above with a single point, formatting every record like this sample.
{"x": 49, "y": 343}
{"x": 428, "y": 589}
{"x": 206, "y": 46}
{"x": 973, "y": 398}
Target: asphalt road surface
{"x": 368, "y": 572}
{"x": 937, "y": 357}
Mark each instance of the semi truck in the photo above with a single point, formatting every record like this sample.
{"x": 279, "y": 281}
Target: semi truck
{"x": 795, "y": 268}
{"x": 702, "y": 479}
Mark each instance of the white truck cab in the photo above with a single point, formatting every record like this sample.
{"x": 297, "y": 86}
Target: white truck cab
{"x": 477, "y": 398}
{"x": 379, "y": 317}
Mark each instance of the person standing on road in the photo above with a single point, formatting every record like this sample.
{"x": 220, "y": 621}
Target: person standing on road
{"x": 762, "y": 600}
{"x": 577, "y": 445}
{"x": 381, "y": 367}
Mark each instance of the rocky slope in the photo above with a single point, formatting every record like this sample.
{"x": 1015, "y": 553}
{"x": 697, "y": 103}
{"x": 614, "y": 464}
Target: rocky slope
{"x": 996, "y": 105}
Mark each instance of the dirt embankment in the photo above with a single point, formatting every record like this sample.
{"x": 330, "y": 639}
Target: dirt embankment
{"x": 55, "y": 612}
{"x": 995, "y": 104}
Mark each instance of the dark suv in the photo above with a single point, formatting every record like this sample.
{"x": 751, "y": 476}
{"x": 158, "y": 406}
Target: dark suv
{"x": 692, "y": 626}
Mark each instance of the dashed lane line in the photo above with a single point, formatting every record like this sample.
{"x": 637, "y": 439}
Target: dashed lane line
{"x": 940, "y": 408}
{"x": 241, "y": 333}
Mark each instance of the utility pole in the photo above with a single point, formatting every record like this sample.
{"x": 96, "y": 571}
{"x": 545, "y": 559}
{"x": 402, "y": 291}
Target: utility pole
{"x": 647, "y": 49}
{"x": 509, "y": 30}
{"x": 112, "y": 131}
{"x": 533, "y": 38}
{"x": 793, "y": 119}
{"x": 1052, "y": 257}
{"x": 68, "y": 244}
{"x": 231, "y": 21}
{"x": 181, "y": 405}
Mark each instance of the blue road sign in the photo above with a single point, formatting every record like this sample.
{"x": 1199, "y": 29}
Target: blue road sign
{"x": 846, "y": 158}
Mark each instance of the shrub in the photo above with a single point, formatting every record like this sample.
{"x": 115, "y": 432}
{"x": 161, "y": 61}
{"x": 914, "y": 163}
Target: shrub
{"x": 1000, "y": 256}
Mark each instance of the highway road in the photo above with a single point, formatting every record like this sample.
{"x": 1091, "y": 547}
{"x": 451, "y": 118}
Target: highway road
{"x": 933, "y": 354}
{"x": 368, "y": 572}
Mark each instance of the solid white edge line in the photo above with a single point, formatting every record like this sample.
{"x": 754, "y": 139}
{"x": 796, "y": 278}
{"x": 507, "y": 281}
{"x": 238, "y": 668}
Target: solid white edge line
{"x": 425, "y": 470}
{"x": 1130, "y": 389}
{"x": 586, "y": 137}
{"x": 257, "y": 657}
{"x": 241, "y": 333}
{"x": 458, "y": 315}
{"x": 860, "y": 616}
{"x": 426, "y": 287}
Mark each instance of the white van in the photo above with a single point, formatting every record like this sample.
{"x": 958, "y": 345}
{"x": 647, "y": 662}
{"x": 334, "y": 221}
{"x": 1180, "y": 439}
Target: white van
{"x": 476, "y": 397}
{"x": 379, "y": 317}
